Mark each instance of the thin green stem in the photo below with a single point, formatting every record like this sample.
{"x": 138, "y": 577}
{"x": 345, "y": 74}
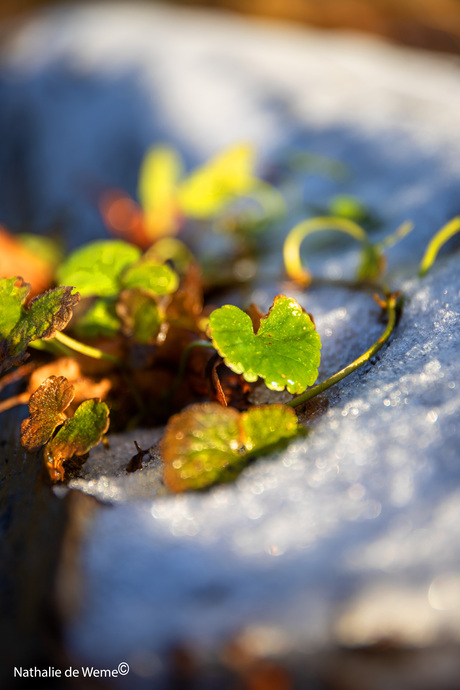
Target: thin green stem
{"x": 445, "y": 233}
{"x": 87, "y": 350}
{"x": 392, "y": 307}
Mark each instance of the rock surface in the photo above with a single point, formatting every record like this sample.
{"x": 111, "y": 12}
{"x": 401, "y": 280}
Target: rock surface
{"x": 352, "y": 535}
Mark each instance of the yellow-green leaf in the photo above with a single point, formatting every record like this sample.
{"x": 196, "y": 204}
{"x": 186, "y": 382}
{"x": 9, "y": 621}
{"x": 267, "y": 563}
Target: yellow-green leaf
{"x": 159, "y": 176}
{"x": 99, "y": 320}
{"x": 95, "y": 269}
{"x": 208, "y": 443}
{"x": 212, "y": 186}
{"x": 158, "y": 279}
{"x": 13, "y": 292}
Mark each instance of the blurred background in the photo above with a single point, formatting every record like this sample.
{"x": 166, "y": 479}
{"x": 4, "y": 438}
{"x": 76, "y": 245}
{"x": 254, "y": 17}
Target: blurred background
{"x": 431, "y": 24}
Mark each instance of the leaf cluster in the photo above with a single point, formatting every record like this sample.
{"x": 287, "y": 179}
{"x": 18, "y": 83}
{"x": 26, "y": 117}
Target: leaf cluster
{"x": 74, "y": 436}
{"x": 148, "y": 342}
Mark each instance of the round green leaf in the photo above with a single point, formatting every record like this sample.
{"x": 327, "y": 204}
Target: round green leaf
{"x": 200, "y": 446}
{"x": 208, "y": 443}
{"x": 285, "y": 351}
{"x": 265, "y": 426}
{"x": 95, "y": 269}
{"x": 159, "y": 279}
{"x": 99, "y": 320}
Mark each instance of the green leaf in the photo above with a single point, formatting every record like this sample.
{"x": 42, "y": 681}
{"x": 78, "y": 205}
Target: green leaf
{"x": 212, "y": 186}
{"x": 285, "y": 351}
{"x": 372, "y": 263}
{"x": 47, "y": 313}
{"x": 77, "y": 436}
{"x": 96, "y": 268}
{"x": 265, "y": 426}
{"x": 159, "y": 176}
{"x": 100, "y": 320}
{"x": 208, "y": 443}
{"x": 200, "y": 447}
{"x": 140, "y": 315}
{"x": 13, "y": 292}
{"x": 159, "y": 279}
{"x": 46, "y": 408}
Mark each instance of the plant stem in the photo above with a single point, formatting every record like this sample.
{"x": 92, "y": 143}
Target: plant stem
{"x": 445, "y": 233}
{"x": 291, "y": 249}
{"x": 392, "y": 308}
{"x": 87, "y": 350}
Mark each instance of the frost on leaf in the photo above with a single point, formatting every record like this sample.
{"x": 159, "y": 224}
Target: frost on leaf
{"x": 77, "y": 436}
{"x": 285, "y": 351}
{"x": 47, "y": 313}
{"x": 208, "y": 443}
{"x": 47, "y": 411}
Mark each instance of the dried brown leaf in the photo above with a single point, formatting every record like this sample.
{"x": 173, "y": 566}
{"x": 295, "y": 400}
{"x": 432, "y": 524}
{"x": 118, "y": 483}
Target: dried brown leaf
{"x": 46, "y": 408}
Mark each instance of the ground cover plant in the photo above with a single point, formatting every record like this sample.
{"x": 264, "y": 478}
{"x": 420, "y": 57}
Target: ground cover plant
{"x": 129, "y": 328}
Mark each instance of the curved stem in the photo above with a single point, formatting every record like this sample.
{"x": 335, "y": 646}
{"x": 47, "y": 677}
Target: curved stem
{"x": 445, "y": 233}
{"x": 291, "y": 249}
{"x": 87, "y": 350}
{"x": 392, "y": 307}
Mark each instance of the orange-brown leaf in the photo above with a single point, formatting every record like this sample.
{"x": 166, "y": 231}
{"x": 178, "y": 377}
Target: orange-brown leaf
{"x": 46, "y": 408}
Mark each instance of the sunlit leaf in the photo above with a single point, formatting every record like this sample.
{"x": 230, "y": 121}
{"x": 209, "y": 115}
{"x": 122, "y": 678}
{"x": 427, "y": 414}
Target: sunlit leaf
{"x": 208, "y": 443}
{"x": 99, "y": 320}
{"x": 285, "y": 351}
{"x": 46, "y": 409}
{"x": 201, "y": 446}
{"x": 159, "y": 279}
{"x": 159, "y": 176}
{"x": 13, "y": 292}
{"x": 140, "y": 315}
{"x": 171, "y": 249}
{"x": 47, "y": 313}
{"x": 77, "y": 436}
{"x": 265, "y": 426}
{"x": 212, "y": 186}
{"x": 95, "y": 269}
